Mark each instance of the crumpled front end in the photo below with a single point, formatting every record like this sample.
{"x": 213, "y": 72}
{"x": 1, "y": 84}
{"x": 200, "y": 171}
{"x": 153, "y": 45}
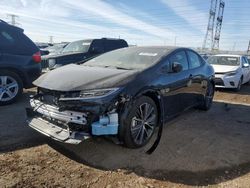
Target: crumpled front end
{"x": 71, "y": 119}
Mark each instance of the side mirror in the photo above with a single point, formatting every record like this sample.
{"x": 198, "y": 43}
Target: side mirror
{"x": 245, "y": 65}
{"x": 176, "y": 67}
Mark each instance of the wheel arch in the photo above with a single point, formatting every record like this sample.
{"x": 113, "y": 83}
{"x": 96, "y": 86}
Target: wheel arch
{"x": 156, "y": 97}
{"x": 16, "y": 71}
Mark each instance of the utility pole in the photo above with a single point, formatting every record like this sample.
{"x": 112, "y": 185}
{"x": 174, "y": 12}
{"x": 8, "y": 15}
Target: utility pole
{"x": 51, "y": 39}
{"x": 208, "y": 41}
{"x": 248, "y": 49}
{"x": 175, "y": 40}
{"x": 216, "y": 43}
{"x": 233, "y": 48}
{"x": 13, "y": 18}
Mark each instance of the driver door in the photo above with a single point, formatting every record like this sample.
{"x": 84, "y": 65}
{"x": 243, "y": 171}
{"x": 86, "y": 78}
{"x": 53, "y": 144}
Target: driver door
{"x": 176, "y": 85}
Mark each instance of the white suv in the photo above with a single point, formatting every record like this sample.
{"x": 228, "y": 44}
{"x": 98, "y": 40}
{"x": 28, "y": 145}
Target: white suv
{"x": 231, "y": 71}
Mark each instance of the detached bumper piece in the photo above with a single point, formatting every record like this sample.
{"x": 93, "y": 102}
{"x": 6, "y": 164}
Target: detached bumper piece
{"x": 68, "y": 126}
{"x": 49, "y": 121}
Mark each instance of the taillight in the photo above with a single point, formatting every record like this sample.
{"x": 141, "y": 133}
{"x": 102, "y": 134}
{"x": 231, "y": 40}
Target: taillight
{"x": 37, "y": 57}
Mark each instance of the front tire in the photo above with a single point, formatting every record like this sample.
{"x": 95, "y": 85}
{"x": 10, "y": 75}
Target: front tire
{"x": 239, "y": 85}
{"x": 11, "y": 87}
{"x": 140, "y": 123}
{"x": 208, "y": 99}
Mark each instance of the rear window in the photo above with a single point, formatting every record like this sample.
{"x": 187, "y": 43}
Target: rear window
{"x": 13, "y": 41}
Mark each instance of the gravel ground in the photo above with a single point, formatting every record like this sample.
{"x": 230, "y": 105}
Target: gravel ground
{"x": 197, "y": 149}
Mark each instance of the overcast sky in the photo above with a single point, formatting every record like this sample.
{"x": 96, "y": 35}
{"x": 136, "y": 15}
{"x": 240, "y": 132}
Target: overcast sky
{"x": 141, "y": 22}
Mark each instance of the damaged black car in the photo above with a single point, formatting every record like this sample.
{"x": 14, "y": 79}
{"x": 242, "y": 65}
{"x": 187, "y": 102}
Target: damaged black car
{"x": 126, "y": 94}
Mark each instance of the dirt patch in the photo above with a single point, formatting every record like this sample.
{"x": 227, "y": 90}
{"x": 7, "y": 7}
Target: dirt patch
{"x": 197, "y": 148}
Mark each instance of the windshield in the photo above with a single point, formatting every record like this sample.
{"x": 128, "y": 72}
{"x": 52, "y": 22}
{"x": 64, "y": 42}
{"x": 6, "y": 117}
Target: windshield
{"x": 224, "y": 60}
{"x": 77, "y": 46}
{"x": 129, "y": 58}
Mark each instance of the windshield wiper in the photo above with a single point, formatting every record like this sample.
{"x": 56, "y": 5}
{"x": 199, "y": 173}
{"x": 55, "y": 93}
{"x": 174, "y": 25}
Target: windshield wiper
{"x": 116, "y": 67}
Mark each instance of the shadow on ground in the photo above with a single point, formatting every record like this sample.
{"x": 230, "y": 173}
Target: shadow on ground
{"x": 15, "y": 134}
{"x": 197, "y": 148}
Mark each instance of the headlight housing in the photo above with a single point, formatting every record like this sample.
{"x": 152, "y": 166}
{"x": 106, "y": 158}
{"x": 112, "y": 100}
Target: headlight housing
{"x": 97, "y": 92}
{"x": 232, "y": 73}
{"x": 52, "y": 62}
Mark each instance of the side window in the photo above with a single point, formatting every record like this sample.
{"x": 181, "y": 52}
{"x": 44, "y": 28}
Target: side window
{"x": 97, "y": 45}
{"x": 110, "y": 45}
{"x": 245, "y": 60}
{"x": 6, "y": 37}
{"x": 180, "y": 57}
{"x": 194, "y": 60}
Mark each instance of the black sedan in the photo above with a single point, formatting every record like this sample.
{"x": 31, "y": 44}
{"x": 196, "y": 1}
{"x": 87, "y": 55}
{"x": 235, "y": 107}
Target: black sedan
{"x": 125, "y": 94}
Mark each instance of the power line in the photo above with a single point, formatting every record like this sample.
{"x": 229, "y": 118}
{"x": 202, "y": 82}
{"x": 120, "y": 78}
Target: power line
{"x": 51, "y": 41}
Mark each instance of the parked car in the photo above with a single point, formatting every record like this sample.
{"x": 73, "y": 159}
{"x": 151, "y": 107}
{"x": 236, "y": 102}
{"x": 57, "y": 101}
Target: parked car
{"x": 55, "y": 49}
{"x": 125, "y": 93}
{"x": 231, "y": 71}
{"x": 80, "y": 51}
{"x": 205, "y": 56}
{"x": 19, "y": 62}
{"x": 42, "y": 45}
{"x": 248, "y": 58}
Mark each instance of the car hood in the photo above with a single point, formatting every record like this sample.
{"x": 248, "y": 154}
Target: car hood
{"x": 224, "y": 68}
{"x": 77, "y": 77}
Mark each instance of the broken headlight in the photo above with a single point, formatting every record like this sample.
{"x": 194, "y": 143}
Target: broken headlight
{"x": 97, "y": 92}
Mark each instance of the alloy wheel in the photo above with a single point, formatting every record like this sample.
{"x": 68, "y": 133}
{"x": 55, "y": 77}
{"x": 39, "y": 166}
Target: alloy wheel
{"x": 143, "y": 123}
{"x": 8, "y": 88}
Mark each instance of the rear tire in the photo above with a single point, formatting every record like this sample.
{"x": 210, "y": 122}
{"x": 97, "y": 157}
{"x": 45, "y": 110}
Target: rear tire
{"x": 140, "y": 122}
{"x": 208, "y": 99}
{"x": 11, "y": 87}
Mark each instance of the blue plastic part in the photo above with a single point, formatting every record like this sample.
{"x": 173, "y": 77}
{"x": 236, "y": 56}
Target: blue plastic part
{"x": 100, "y": 129}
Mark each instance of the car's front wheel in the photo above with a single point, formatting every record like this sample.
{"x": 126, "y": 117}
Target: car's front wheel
{"x": 239, "y": 85}
{"x": 140, "y": 123}
{"x": 10, "y": 87}
{"x": 208, "y": 98}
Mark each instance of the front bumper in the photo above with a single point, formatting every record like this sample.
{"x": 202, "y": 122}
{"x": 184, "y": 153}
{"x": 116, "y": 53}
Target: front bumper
{"x": 54, "y": 131}
{"x": 68, "y": 126}
{"x": 224, "y": 81}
